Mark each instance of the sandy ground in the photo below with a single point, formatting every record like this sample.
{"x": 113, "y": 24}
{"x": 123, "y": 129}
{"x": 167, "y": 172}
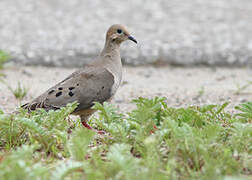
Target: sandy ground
{"x": 181, "y": 86}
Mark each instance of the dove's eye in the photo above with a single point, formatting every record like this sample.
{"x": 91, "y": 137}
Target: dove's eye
{"x": 119, "y": 31}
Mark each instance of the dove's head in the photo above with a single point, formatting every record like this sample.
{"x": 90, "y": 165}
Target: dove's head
{"x": 118, "y": 33}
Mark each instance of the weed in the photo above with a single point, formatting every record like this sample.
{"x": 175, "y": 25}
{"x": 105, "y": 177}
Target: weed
{"x": 240, "y": 88}
{"x": 19, "y": 92}
{"x": 245, "y": 112}
{"x": 201, "y": 91}
{"x": 4, "y": 57}
{"x": 153, "y": 141}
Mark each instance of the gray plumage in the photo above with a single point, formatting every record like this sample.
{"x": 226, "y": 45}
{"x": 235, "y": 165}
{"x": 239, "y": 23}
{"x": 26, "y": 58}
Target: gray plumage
{"x": 96, "y": 82}
{"x": 86, "y": 86}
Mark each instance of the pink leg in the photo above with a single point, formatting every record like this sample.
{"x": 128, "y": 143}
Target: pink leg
{"x": 86, "y": 125}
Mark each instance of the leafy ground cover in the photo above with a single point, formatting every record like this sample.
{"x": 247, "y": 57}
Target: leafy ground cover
{"x": 153, "y": 141}
{"x": 4, "y": 57}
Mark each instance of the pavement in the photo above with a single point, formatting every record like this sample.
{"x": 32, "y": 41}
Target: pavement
{"x": 181, "y": 32}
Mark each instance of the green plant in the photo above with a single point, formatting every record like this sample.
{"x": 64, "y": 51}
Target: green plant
{"x": 245, "y": 112}
{"x": 201, "y": 92}
{"x": 19, "y": 92}
{"x": 4, "y": 57}
{"x": 153, "y": 141}
{"x": 240, "y": 88}
{"x": 21, "y": 163}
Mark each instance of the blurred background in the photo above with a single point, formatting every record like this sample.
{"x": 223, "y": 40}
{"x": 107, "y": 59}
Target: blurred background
{"x": 197, "y": 54}
{"x": 180, "y": 32}
{"x": 192, "y": 52}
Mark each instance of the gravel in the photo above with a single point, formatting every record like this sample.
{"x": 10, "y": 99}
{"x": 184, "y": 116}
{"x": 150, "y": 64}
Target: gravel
{"x": 181, "y": 86}
{"x": 181, "y": 32}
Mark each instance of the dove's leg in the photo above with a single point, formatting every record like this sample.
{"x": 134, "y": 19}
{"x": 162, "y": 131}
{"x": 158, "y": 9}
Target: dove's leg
{"x": 84, "y": 119}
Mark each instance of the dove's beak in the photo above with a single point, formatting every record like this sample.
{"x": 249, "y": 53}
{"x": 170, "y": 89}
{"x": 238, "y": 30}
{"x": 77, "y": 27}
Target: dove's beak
{"x": 132, "y": 39}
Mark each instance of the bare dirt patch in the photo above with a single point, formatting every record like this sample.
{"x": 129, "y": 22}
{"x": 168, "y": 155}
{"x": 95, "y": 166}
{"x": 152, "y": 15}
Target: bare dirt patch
{"x": 181, "y": 86}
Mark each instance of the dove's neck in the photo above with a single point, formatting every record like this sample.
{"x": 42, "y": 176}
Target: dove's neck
{"x": 110, "y": 48}
{"x": 110, "y": 59}
{"x": 111, "y": 54}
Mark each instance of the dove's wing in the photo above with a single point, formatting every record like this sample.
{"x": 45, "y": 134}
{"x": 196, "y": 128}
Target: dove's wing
{"x": 92, "y": 84}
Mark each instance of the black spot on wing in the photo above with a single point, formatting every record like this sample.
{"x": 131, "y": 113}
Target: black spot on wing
{"x": 50, "y": 92}
{"x": 71, "y": 93}
{"x": 99, "y": 94}
{"x": 60, "y": 88}
{"x": 58, "y": 94}
{"x": 71, "y": 88}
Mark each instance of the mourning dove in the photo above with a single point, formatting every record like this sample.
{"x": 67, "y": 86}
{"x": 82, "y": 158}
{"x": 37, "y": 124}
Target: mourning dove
{"x": 96, "y": 82}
